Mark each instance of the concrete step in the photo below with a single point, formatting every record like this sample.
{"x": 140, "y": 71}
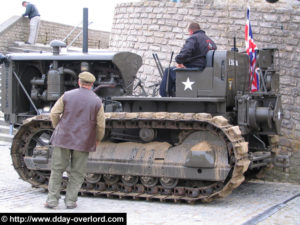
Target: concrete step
{"x": 2, "y": 122}
{"x": 4, "y": 130}
{"x": 5, "y": 137}
{"x": 4, "y": 143}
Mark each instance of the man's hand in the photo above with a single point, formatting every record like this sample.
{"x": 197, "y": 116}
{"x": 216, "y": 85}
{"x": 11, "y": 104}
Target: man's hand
{"x": 97, "y": 143}
{"x": 180, "y": 66}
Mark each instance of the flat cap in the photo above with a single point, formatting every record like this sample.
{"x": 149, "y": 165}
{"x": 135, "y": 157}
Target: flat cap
{"x": 87, "y": 77}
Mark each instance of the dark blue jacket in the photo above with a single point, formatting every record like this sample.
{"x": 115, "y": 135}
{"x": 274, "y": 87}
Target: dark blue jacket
{"x": 31, "y": 11}
{"x": 193, "y": 53}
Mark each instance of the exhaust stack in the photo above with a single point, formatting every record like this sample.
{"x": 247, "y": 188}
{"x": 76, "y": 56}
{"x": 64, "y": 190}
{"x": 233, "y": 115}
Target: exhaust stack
{"x": 85, "y": 30}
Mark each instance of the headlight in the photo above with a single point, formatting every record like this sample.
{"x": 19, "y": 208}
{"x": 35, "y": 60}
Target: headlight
{"x": 46, "y": 109}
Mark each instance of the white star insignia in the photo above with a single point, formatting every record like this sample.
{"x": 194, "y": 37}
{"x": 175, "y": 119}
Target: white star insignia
{"x": 188, "y": 84}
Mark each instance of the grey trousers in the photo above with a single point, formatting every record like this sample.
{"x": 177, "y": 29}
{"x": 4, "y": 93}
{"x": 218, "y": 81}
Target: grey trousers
{"x": 34, "y": 28}
{"x": 61, "y": 159}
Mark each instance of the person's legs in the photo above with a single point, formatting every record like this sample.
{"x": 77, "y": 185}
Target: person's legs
{"x": 172, "y": 82}
{"x": 34, "y": 27}
{"x": 60, "y": 161}
{"x": 76, "y": 177}
{"x": 163, "y": 84}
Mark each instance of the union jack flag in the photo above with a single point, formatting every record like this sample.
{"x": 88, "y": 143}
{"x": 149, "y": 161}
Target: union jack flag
{"x": 250, "y": 48}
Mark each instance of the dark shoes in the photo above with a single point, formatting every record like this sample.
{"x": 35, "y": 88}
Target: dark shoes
{"x": 28, "y": 43}
{"x": 51, "y": 205}
{"x": 70, "y": 205}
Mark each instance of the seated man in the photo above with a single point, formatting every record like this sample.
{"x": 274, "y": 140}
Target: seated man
{"x": 192, "y": 54}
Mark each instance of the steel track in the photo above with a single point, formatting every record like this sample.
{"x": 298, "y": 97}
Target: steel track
{"x": 236, "y": 146}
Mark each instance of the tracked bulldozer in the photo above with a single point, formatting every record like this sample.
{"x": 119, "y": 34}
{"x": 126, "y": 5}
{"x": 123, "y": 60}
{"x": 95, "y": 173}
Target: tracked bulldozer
{"x": 195, "y": 146}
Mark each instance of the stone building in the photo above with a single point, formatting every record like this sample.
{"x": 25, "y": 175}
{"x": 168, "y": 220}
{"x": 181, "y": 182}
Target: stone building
{"x": 160, "y": 27}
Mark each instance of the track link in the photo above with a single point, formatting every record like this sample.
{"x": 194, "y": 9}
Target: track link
{"x": 236, "y": 145}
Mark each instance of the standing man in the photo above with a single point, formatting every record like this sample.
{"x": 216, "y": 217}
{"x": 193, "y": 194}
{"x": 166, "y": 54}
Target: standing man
{"x": 34, "y": 16}
{"x": 192, "y": 54}
{"x": 78, "y": 119}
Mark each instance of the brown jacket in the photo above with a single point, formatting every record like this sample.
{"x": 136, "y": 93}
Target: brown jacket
{"x": 78, "y": 119}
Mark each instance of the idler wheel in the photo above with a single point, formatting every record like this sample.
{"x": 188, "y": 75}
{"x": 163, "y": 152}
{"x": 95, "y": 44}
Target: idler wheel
{"x": 93, "y": 178}
{"x": 147, "y": 134}
{"x": 111, "y": 179}
{"x": 168, "y": 182}
{"x": 149, "y": 181}
{"x": 129, "y": 180}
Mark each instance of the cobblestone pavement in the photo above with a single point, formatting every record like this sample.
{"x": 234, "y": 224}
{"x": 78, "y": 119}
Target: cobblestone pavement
{"x": 245, "y": 203}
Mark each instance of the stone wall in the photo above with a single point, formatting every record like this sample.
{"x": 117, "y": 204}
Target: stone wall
{"x": 148, "y": 27}
{"x": 14, "y": 29}
{"x": 17, "y": 29}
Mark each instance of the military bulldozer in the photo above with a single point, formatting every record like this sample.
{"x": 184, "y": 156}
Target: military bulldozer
{"x": 194, "y": 146}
